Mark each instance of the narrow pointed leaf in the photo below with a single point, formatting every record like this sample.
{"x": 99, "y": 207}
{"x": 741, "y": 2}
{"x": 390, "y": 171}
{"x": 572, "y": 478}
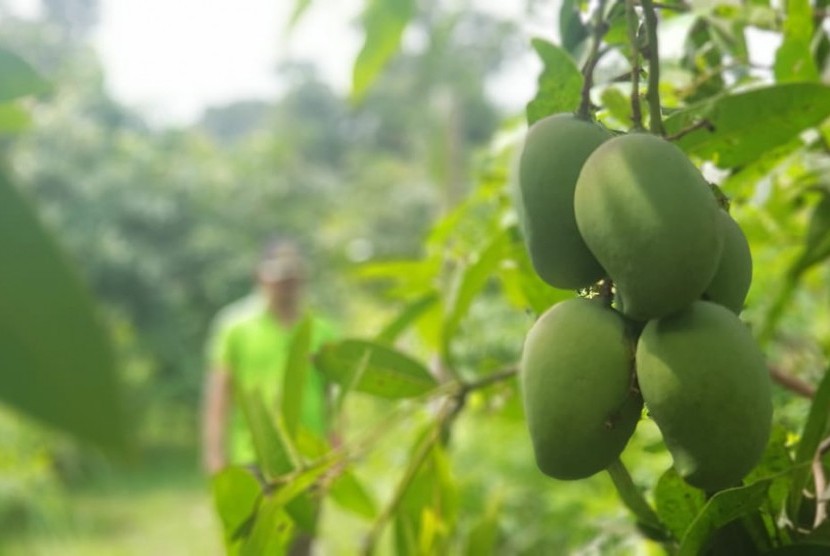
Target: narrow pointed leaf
{"x": 295, "y": 376}
{"x": 56, "y": 361}
{"x": 270, "y": 443}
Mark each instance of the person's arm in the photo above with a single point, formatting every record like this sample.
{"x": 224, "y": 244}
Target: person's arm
{"x": 215, "y": 408}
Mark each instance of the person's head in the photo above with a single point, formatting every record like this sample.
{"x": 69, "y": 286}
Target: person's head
{"x": 281, "y": 274}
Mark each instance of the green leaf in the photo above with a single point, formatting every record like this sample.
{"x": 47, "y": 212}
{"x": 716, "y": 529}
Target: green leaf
{"x": 617, "y": 104}
{"x": 409, "y": 315}
{"x": 13, "y": 118}
{"x": 560, "y": 83}
{"x": 473, "y": 279}
{"x": 272, "y": 531}
{"x": 677, "y": 502}
{"x": 300, "y": 8}
{"x": 17, "y": 78}
{"x": 723, "y": 507}
{"x": 777, "y": 465}
{"x": 811, "y": 436}
{"x": 483, "y": 537}
{"x": 350, "y": 495}
{"x": 748, "y": 124}
{"x": 571, "y": 29}
{"x": 817, "y": 243}
{"x": 270, "y": 443}
{"x": 304, "y": 510}
{"x": 387, "y": 373}
{"x": 236, "y": 493}
{"x": 295, "y": 375}
{"x": 794, "y": 58}
{"x": 56, "y": 361}
{"x": 383, "y": 22}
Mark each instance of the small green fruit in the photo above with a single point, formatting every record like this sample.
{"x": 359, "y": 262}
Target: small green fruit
{"x": 650, "y": 219}
{"x": 705, "y": 383}
{"x": 731, "y": 282}
{"x": 553, "y": 154}
{"x": 576, "y": 377}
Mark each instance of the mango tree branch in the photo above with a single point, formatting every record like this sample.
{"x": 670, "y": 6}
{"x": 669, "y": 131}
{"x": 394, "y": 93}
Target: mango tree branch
{"x": 633, "y": 25}
{"x": 599, "y": 30}
{"x": 653, "y": 94}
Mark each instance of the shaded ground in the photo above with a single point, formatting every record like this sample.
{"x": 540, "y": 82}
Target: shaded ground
{"x": 161, "y": 507}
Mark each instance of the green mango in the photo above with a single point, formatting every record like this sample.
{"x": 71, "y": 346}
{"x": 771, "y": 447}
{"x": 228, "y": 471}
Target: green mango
{"x": 577, "y": 377}
{"x": 731, "y": 282}
{"x": 651, "y": 220}
{"x": 705, "y": 384}
{"x": 551, "y": 159}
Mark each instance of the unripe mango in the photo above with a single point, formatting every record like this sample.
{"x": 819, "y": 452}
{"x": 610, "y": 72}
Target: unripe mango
{"x": 576, "y": 377}
{"x": 650, "y": 219}
{"x": 705, "y": 384}
{"x": 552, "y": 157}
{"x": 731, "y": 282}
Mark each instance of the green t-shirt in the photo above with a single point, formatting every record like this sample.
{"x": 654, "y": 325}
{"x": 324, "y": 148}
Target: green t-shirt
{"x": 253, "y": 346}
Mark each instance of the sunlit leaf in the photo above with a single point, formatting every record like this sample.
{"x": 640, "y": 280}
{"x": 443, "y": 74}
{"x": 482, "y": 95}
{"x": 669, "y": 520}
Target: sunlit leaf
{"x": 383, "y": 23}
{"x": 473, "y": 279}
{"x": 295, "y": 375}
{"x": 236, "y": 493}
{"x": 387, "y": 373}
{"x": 13, "y": 118}
{"x": 272, "y": 530}
{"x": 56, "y": 362}
{"x": 811, "y": 436}
{"x": 348, "y": 493}
{"x": 794, "y": 58}
{"x": 270, "y": 443}
{"x": 407, "y": 317}
{"x": 677, "y": 502}
{"x": 17, "y": 78}
{"x": 571, "y": 29}
{"x": 723, "y": 507}
{"x": 748, "y": 124}
{"x": 560, "y": 83}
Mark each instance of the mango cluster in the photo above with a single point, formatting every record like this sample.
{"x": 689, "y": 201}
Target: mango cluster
{"x": 633, "y": 211}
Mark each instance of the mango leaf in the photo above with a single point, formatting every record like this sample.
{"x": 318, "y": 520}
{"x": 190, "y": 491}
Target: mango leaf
{"x": 817, "y": 244}
{"x": 56, "y": 361}
{"x": 13, "y": 118}
{"x": 304, "y": 510}
{"x": 483, "y": 537}
{"x": 295, "y": 375}
{"x": 794, "y": 58}
{"x": 300, "y": 8}
{"x": 383, "y": 22}
{"x": 748, "y": 124}
{"x": 571, "y": 29}
{"x": 617, "y": 104}
{"x": 723, "y": 507}
{"x": 236, "y": 494}
{"x": 409, "y": 315}
{"x": 272, "y": 530}
{"x": 677, "y": 502}
{"x": 272, "y": 447}
{"x": 560, "y": 83}
{"x": 349, "y": 494}
{"x": 473, "y": 279}
{"x": 17, "y": 78}
{"x": 811, "y": 436}
{"x": 777, "y": 465}
{"x": 386, "y": 373}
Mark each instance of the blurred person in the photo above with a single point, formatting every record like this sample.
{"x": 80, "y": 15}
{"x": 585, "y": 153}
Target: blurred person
{"x": 247, "y": 352}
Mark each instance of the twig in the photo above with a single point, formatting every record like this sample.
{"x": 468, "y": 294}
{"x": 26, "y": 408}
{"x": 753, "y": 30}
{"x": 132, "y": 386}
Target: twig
{"x": 633, "y": 24}
{"x": 599, "y": 30}
{"x": 791, "y": 383}
{"x": 820, "y": 482}
{"x": 653, "y": 93}
{"x": 484, "y": 382}
{"x": 700, "y": 124}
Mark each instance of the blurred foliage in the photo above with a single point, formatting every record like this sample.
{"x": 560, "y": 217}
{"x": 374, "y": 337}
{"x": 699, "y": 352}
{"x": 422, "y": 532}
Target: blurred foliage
{"x": 403, "y": 202}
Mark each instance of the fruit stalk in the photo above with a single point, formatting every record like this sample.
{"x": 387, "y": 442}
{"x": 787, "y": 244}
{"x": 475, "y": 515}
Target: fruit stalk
{"x": 653, "y": 94}
{"x": 599, "y": 29}
{"x": 631, "y": 495}
{"x": 633, "y": 25}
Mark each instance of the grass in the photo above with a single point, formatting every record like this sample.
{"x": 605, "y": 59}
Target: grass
{"x": 162, "y": 506}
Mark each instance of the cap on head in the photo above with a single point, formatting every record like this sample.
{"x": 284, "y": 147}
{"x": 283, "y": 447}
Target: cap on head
{"x": 281, "y": 261}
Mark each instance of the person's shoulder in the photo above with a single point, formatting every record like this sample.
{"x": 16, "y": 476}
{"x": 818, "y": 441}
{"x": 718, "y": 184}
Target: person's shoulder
{"x": 238, "y": 312}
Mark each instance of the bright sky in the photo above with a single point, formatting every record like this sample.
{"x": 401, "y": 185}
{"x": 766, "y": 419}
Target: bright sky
{"x": 173, "y": 58}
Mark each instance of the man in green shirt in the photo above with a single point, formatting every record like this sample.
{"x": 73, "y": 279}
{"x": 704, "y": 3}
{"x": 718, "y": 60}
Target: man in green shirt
{"x": 247, "y": 352}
